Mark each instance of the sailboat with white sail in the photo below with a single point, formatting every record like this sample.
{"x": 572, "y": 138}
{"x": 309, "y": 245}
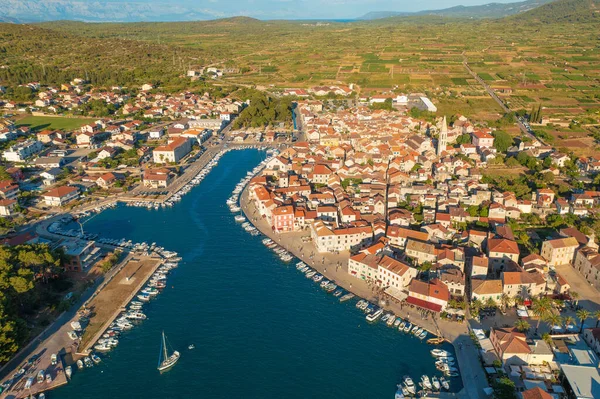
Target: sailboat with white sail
{"x": 165, "y": 361}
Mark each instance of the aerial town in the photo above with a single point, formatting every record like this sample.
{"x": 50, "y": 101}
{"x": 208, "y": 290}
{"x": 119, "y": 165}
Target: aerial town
{"x": 417, "y": 213}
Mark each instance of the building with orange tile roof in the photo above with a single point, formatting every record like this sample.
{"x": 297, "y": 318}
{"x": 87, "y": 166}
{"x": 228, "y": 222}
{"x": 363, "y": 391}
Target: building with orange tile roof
{"x": 433, "y": 295}
{"x": 560, "y": 251}
{"x": 501, "y": 253}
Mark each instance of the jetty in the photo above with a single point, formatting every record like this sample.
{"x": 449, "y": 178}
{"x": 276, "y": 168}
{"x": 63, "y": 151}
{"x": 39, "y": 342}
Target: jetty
{"x": 111, "y": 300}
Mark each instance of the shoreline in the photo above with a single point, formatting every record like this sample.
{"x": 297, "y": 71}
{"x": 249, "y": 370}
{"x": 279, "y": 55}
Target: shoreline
{"x": 334, "y": 268}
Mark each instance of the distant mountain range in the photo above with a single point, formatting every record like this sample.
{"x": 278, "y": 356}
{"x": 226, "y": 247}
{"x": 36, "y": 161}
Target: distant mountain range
{"x": 25, "y": 11}
{"x": 97, "y": 11}
{"x": 491, "y": 10}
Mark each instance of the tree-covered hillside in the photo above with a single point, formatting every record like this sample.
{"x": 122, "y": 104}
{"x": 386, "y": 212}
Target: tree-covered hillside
{"x": 30, "y": 53}
{"x": 571, "y": 11}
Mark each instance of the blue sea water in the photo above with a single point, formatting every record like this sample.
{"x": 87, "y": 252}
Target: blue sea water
{"x": 261, "y": 330}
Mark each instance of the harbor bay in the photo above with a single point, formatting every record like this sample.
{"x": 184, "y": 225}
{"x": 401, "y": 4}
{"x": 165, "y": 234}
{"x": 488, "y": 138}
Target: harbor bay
{"x": 260, "y": 329}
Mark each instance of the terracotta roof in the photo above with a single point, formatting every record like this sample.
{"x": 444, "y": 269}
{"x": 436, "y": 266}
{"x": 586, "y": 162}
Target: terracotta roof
{"x": 563, "y": 242}
{"x": 516, "y": 278}
{"x": 60, "y": 192}
{"x": 7, "y": 202}
{"x": 434, "y": 289}
{"x": 511, "y": 341}
{"x": 573, "y": 232}
{"x": 283, "y": 210}
{"x": 177, "y": 142}
{"x": 503, "y": 245}
{"x": 486, "y": 287}
{"x": 397, "y": 231}
{"x": 480, "y": 261}
{"x": 393, "y": 265}
{"x": 536, "y": 393}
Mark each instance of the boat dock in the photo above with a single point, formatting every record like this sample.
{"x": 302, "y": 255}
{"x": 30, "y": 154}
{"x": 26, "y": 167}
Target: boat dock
{"x": 114, "y": 297}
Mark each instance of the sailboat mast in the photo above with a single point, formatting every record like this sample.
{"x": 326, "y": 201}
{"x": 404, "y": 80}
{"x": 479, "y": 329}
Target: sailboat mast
{"x": 164, "y": 346}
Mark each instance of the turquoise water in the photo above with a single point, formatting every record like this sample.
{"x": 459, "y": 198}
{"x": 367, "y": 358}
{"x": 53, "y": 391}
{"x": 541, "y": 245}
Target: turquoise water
{"x": 261, "y": 329}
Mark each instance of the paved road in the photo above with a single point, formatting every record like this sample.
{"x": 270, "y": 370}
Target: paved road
{"x": 492, "y": 93}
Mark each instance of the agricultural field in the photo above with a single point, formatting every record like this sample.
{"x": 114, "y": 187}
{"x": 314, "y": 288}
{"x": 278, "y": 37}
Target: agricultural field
{"x": 557, "y": 66}
{"x": 38, "y": 123}
{"x": 529, "y": 62}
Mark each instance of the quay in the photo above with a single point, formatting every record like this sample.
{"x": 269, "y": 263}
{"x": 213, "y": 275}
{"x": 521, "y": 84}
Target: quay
{"x": 114, "y": 296}
{"x": 334, "y": 267}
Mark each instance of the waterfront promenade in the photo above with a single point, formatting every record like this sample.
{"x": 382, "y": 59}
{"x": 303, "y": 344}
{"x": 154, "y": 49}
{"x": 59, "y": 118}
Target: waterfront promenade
{"x": 335, "y": 268}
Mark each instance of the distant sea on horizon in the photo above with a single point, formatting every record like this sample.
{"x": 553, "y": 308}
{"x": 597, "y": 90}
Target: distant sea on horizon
{"x": 260, "y": 328}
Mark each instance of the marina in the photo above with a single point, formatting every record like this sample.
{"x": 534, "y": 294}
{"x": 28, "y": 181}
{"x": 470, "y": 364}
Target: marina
{"x": 198, "y": 295}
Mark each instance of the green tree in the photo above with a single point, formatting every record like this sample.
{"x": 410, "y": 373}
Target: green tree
{"x": 504, "y": 388}
{"x": 4, "y": 175}
{"x": 463, "y": 139}
{"x": 8, "y": 337}
{"x": 541, "y": 308}
{"x": 596, "y": 316}
{"x": 502, "y": 141}
{"x": 582, "y": 315}
{"x": 569, "y": 321}
{"x": 553, "y": 319}
{"x": 506, "y": 301}
{"x": 522, "y": 325}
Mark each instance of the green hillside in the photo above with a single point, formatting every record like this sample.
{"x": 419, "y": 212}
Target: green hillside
{"x": 31, "y": 53}
{"x": 563, "y": 11}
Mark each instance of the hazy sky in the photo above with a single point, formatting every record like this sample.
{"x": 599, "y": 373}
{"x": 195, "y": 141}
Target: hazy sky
{"x": 294, "y": 9}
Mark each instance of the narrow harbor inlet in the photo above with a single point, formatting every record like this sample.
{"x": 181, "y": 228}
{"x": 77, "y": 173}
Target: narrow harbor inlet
{"x": 257, "y": 326}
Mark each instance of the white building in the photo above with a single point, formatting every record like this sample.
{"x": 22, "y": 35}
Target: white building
{"x": 20, "y": 152}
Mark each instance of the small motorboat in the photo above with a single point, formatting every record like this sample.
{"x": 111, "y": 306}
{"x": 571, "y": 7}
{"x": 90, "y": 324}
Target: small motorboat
{"x": 410, "y": 385}
{"x": 191, "y": 346}
{"x": 390, "y": 320}
{"x": 372, "y": 317}
{"x": 426, "y": 382}
{"x": 95, "y": 358}
{"x": 436, "y": 383}
{"x": 444, "y": 383}
{"x": 439, "y": 353}
{"x": 80, "y": 364}
{"x": 68, "y": 371}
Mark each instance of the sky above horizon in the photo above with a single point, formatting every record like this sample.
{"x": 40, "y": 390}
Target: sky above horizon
{"x": 302, "y": 9}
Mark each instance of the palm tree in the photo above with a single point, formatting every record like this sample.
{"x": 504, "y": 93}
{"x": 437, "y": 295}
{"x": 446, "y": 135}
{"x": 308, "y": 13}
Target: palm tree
{"x": 505, "y": 300}
{"x": 541, "y": 307}
{"x": 574, "y": 296}
{"x": 490, "y": 303}
{"x": 582, "y": 315}
{"x": 522, "y": 325}
{"x": 553, "y": 319}
{"x": 568, "y": 321}
{"x": 476, "y": 306}
{"x": 597, "y": 317}
{"x": 518, "y": 300}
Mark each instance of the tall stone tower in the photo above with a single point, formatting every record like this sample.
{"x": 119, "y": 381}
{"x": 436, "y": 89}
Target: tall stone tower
{"x": 443, "y": 137}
